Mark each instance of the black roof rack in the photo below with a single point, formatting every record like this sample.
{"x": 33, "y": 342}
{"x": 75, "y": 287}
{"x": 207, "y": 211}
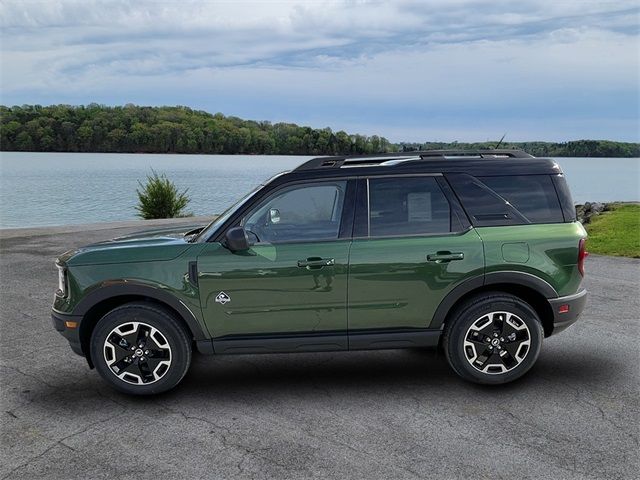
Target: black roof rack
{"x": 377, "y": 159}
{"x": 489, "y": 152}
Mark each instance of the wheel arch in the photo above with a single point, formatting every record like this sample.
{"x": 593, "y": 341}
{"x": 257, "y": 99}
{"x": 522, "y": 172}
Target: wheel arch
{"x": 527, "y": 287}
{"x": 97, "y": 304}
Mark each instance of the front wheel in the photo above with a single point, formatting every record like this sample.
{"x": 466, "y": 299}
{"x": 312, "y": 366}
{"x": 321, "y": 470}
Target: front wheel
{"x": 493, "y": 339}
{"x": 140, "y": 349}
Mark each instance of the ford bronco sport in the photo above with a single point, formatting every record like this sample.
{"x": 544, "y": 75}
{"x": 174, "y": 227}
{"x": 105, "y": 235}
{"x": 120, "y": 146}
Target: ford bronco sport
{"x": 478, "y": 252}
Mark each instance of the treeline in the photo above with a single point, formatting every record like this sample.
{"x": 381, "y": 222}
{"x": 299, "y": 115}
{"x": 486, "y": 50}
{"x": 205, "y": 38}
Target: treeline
{"x": 577, "y": 148}
{"x": 134, "y": 129}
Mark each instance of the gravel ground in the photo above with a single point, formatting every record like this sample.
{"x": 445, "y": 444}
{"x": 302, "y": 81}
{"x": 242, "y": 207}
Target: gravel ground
{"x": 385, "y": 414}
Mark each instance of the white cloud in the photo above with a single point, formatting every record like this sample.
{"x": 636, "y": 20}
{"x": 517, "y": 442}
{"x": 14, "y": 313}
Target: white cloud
{"x": 334, "y": 62}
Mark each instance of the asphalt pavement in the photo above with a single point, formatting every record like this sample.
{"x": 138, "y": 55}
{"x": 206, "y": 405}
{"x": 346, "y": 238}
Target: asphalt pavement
{"x": 379, "y": 414}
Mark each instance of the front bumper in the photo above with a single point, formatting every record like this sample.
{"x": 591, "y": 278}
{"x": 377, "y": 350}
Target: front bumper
{"x": 566, "y": 310}
{"x": 69, "y": 328}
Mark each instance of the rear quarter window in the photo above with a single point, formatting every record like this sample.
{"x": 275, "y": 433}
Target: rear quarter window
{"x": 509, "y": 200}
{"x": 532, "y": 195}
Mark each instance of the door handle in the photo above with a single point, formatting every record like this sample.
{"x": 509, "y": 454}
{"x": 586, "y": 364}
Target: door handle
{"x": 316, "y": 262}
{"x": 444, "y": 257}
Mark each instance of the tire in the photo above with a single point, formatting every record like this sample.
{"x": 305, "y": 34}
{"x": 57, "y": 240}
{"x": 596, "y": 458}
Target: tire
{"x": 493, "y": 339}
{"x": 157, "y": 366}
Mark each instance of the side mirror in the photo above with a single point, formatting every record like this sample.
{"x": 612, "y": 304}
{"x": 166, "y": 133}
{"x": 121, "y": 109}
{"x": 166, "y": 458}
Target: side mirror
{"x": 274, "y": 215}
{"x": 236, "y": 239}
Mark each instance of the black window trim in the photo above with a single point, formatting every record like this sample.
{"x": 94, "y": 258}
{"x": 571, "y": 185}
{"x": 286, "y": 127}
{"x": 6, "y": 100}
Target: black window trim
{"x": 454, "y": 202}
{"x": 416, "y": 235}
{"x": 447, "y": 191}
{"x": 346, "y": 218}
{"x": 565, "y": 199}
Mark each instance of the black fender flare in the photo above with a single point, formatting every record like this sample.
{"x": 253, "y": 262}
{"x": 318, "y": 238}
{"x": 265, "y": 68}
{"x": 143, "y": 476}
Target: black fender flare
{"x": 141, "y": 290}
{"x": 493, "y": 278}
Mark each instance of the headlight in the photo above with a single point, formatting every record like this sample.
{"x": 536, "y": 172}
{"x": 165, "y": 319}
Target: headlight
{"x": 62, "y": 281}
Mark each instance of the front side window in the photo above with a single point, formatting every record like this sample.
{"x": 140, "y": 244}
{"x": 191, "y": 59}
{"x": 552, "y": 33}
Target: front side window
{"x": 304, "y": 212}
{"x": 407, "y": 206}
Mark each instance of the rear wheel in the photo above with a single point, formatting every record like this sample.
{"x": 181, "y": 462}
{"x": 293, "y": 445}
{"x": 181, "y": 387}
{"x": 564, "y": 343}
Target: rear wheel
{"x": 140, "y": 349}
{"x": 493, "y": 339}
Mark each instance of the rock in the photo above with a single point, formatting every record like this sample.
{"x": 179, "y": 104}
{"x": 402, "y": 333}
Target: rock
{"x": 581, "y": 213}
{"x": 588, "y": 210}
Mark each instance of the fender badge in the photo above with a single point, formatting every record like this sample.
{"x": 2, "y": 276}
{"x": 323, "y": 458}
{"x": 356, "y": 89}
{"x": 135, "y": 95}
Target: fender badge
{"x": 223, "y": 298}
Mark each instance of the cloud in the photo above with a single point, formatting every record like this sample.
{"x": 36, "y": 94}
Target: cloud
{"x": 388, "y": 66}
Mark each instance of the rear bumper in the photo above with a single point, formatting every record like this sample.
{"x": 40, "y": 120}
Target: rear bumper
{"x": 65, "y": 325}
{"x": 573, "y": 304}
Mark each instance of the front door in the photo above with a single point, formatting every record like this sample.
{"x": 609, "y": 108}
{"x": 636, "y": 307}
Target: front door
{"x": 288, "y": 292}
{"x": 410, "y": 249}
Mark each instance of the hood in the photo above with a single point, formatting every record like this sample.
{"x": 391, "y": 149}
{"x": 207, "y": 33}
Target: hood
{"x": 146, "y": 246}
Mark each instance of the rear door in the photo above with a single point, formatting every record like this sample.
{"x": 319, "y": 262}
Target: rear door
{"x": 412, "y": 245}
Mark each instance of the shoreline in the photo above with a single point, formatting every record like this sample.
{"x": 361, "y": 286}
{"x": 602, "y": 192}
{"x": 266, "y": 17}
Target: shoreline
{"x": 6, "y": 233}
{"x": 588, "y": 210}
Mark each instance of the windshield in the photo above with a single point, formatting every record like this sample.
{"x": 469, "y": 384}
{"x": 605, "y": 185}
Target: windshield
{"x": 224, "y": 216}
{"x": 215, "y": 224}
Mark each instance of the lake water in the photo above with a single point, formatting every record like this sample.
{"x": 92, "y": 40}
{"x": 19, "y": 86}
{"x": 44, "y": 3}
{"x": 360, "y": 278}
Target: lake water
{"x": 43, "y": 189}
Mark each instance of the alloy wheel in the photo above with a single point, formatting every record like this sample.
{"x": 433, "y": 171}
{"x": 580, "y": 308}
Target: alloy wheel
{"x": 137, "y": 353}
{"x": 497, "y": 342}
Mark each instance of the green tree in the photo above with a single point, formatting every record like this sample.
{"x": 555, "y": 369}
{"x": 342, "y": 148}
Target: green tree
{"x": 131, "y": 128}
{"x": 24, "y": 142}
{"x": 84, "y": 136}
{"x": 160, "y": 198}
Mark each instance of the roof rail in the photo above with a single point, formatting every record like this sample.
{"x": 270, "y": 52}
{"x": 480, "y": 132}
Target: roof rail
{"x": 483, "y": 152}
{"x": 378, "y": 158}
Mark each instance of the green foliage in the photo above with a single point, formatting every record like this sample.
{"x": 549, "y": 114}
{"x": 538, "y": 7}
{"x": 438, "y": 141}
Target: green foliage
{"x": 616, "y": 232}
{"x": 577, "y": 148}
{"x": 160, "y": 198}
{"x": 133, "y": 129}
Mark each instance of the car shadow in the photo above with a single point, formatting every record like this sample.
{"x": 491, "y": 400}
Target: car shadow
{"x": 346, "y": 373}
{"x": 340, "y": 375}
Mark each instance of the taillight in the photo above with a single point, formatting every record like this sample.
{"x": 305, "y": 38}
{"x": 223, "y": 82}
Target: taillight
{"x": 582, "y": 254}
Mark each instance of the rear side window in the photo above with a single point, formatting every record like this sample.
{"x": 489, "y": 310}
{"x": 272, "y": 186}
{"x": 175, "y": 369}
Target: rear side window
{"x": 508, "y": 200}
{"x": 408, "y": 206}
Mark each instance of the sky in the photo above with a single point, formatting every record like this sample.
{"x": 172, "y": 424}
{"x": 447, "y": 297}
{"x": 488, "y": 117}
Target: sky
{"x": 441, "y": 70}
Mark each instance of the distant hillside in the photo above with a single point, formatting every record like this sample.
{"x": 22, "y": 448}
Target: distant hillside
{"x": 134, "y": 129}
{"x": 96, "y": 128}
{"x": 576, "y": 148}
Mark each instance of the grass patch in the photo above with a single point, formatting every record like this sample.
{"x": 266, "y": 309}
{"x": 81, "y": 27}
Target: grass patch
{"x": 616, "y": 232}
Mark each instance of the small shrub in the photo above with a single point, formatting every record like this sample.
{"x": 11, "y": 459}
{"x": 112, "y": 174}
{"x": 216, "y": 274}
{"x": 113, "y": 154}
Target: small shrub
{"x": 160, "y": 198}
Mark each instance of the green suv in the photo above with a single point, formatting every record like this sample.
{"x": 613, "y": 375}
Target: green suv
{"x": 477, "y": 252}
